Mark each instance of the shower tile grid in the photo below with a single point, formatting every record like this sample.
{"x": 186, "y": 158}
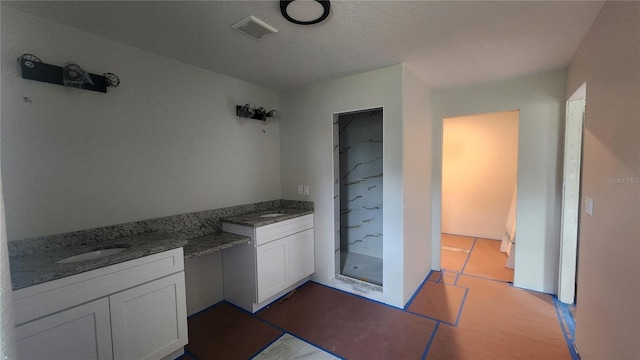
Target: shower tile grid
{"x": 362, "y": 267}
{"x": 289, "y": 347}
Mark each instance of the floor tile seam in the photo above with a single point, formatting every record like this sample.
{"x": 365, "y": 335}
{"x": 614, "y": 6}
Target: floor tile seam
{"x": 207, "y": 308}
{"x": 415, "y": 293}
{"x": 406, "y": 311}
{"x": 189, "y": 353}
{"x": 464, "y": 299}
{"x": 285, "y": 331}
{"x": 570, "y": 343}
{"x": 475, "y": 239}
{"x": 266, "y": 346}
{"x": 429, "y": 317}
{"x": 490, "y": 279}
{"x": 431, "y": 338}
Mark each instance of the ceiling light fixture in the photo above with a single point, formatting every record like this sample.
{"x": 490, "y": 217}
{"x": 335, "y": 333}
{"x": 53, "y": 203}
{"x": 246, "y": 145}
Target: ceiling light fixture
{"x": 305, "y": 12}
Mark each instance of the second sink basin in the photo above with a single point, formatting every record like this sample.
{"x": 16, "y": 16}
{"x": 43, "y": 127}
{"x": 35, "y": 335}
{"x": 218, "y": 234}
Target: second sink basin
{"x": 271, "y": 215}
{"x": 91, "y": 255}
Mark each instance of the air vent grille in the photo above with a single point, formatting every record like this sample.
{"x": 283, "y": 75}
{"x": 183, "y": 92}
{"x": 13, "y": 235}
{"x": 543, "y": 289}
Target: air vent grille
{"x": 254, "y": 28}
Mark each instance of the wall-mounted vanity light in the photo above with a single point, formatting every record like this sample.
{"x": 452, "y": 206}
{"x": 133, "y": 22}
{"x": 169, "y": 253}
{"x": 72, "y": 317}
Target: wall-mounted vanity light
{"x": 251, "y": 112}
{"x": 305, "y": 12}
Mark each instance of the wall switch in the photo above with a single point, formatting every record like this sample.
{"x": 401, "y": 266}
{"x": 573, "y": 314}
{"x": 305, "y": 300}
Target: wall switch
{"x": 306, "y": 189}
{"x": 299, "y": 189}
{"x": 588, "y": 206}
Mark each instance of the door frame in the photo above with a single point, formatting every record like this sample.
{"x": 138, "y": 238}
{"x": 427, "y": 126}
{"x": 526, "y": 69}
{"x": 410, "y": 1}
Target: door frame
{"x": 571, "y": 181}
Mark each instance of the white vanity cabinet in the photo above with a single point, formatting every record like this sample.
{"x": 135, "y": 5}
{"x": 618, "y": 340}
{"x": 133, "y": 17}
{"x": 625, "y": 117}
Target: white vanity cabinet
{"x": 279, "y": 257}
{"x": 132, "y": 310}
{"x": 81, "y": 332}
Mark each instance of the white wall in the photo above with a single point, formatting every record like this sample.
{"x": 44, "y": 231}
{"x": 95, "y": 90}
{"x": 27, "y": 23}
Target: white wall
{"x": 165, "y": 142}
{"x": 607, "y": 317}
{"x": 306, "y": 132}
{"x": 540, "y": 99}
{"x": 306, "y": 155}
{"x": 417, "y": 133}
{"x": 203, "y": 281}
{"x": 480, "y": 164}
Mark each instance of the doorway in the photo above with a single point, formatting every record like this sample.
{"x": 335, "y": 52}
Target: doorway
{"x": 479, "y": 179}
{"x": 358, "y": 201}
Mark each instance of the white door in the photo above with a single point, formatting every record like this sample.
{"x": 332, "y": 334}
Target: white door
{"x": 570, "y": 199}
{"x": 301, "y": 259}
{"x": 82, "y": 332}
{"x": 272, "y": 260}
{"x": 149, "y": 321}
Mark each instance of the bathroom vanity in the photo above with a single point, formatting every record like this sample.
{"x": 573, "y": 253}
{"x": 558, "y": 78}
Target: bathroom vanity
{"x": 135, "y": 309}
{"x": 279, "y": 257}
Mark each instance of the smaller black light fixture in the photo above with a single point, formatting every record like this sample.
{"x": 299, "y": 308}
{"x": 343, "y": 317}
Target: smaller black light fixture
{"x": 251, "y": 112}
{"x": 305, "y": 12}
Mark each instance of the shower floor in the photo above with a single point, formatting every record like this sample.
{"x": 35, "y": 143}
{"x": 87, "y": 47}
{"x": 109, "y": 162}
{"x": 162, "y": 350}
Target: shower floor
{"x": 362, "y": 267}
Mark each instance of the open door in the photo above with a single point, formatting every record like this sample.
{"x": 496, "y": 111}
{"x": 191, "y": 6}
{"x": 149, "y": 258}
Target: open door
{"x": 571, "y": 195}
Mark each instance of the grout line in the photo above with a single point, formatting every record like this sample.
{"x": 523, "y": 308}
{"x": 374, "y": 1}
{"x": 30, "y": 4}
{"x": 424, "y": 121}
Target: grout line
{"x": 433, "y": 336}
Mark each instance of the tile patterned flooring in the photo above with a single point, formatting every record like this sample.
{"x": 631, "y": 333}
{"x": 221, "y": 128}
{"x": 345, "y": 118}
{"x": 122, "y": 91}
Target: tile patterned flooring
{"x": 454, "y": 315}
{"x": 289, "y": 347}
{"x": 362, "y": 267}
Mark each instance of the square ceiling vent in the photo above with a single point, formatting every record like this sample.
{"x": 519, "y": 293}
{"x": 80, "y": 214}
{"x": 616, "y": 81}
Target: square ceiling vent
{"x": 254, "y": 28}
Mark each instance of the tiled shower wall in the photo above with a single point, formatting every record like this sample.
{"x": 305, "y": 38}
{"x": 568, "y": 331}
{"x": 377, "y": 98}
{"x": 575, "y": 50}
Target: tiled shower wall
{"x": 359, "y": 152}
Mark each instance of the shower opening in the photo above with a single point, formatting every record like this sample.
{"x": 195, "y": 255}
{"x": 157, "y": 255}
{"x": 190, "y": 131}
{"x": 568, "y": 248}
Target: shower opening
{"x": 358, "y": 160}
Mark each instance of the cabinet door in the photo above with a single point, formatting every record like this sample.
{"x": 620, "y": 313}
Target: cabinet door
{"x": 271, "y": 261}
{"x": 149, "y": 321}
{"x": 82, "y": 332}
{"x": 301, "y": 258}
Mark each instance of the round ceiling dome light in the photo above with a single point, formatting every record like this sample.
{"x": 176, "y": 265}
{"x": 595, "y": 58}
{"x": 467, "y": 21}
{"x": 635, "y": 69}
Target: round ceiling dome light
{"x": 305, "y": 12}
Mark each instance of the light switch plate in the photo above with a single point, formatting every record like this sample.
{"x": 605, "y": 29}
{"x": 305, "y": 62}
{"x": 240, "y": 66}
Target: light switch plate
{"x": 588, "y": 206}
{"x": 299, "y": 189}
{"x": 306, "y": 189}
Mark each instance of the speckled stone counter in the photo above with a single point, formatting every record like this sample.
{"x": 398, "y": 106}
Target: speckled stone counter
{"x": 32, "y": 269}
{"x": 32, "y": 261}
{"x": 257, "y": 219}
{"x": 207, "y": 244}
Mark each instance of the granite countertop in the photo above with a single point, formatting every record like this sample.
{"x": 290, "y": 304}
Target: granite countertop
{"x": 32, "y": 269}
{"x": 256, "y": 219}
{"x": 207, "y": 244}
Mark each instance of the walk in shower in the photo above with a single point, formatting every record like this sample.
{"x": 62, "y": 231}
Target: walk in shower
{"x": 358, "y": 159}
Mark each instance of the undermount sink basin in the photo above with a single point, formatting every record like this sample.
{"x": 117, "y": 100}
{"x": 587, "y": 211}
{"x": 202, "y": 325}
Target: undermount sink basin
{"x": 91, "y": 255}
{"x": 272, "y": 215}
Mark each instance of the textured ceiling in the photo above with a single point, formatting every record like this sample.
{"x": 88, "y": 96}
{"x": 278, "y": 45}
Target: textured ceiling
{"x": 447, "y": 43}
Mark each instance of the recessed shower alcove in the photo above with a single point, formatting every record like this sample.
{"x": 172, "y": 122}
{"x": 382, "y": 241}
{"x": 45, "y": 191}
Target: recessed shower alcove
{"x": 358, "y": 205}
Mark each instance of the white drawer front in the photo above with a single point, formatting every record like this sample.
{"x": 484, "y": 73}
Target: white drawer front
{"x": 47, "y": 298}
{"x": 268, "y": 233}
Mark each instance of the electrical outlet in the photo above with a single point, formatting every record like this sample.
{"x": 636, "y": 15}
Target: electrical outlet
{"x": 299, "y": 189}
{"x": 306, "y": 189}
{"x": 588, "y": 206}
